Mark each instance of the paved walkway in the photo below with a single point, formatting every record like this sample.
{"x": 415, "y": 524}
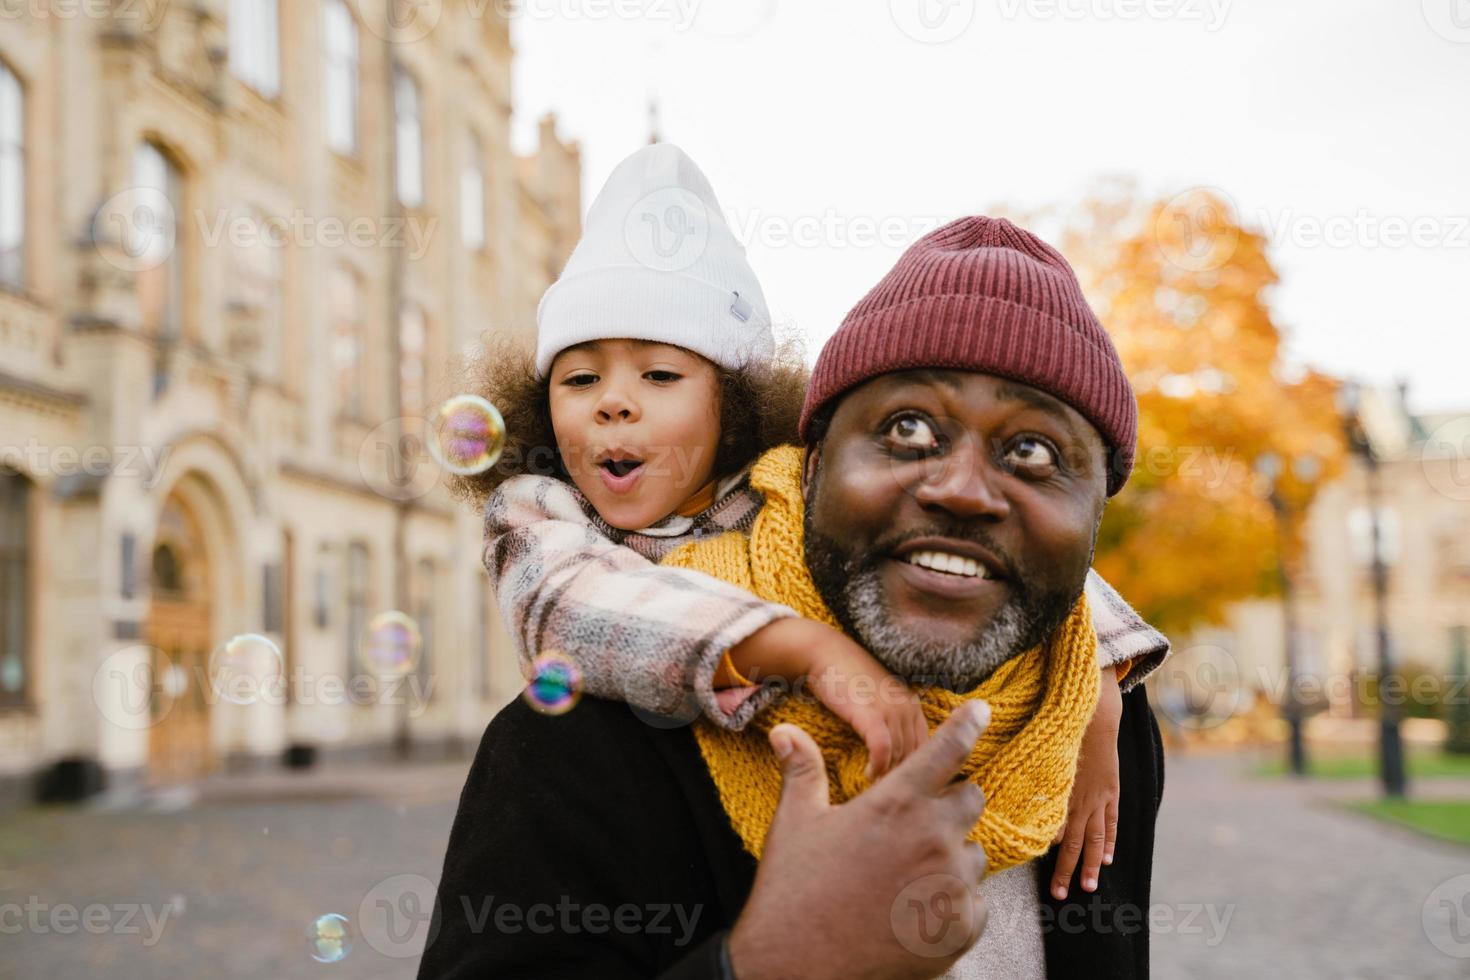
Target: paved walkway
{"x": 1252, "y": 879}
{"x": 1310, "y": 890}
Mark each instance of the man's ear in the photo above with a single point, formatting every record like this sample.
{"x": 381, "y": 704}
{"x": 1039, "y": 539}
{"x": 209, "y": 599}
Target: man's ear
{"x": 809, "y": 469}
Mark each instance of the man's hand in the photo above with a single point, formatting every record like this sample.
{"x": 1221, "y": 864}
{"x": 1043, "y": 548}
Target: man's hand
{"x": 881, "y": 886}
{"x": 1092, "y": 812}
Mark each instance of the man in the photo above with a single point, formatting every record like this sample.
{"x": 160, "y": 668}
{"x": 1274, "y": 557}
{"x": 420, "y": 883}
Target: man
{"x": 964, "y": 429}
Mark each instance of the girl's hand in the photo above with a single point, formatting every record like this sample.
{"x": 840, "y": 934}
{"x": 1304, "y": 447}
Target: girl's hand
{"x": 1091, "y": 828}
{"x": 882, "y": 709}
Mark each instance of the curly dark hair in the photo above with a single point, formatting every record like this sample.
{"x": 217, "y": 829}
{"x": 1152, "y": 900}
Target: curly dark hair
{"x": 759, "y": 409}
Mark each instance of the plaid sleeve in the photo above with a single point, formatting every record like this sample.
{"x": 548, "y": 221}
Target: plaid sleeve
{"x": 640, "y": 632}
{"x": 1122, "y": 635}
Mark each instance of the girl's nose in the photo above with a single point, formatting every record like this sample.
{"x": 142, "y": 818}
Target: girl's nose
{"x": 616, "y": 405}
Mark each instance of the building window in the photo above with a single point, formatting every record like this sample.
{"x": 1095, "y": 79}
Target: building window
{"x": 425, "y": 586}
{"x": 340, "y": 80}
{"x": 152, "y": 239}
{"x": 12, "y": 179}
{"x": 344, "y": 298}
{"x": 412, "y": 344}
{"x": 409, "y": 140}
{"x": 1360, "y": 535}
{"x": 15, "y": 587}
{"x": 472, "y": 196}
{"x": 257, "y": 288}
{"x": 359, "y": 572}
{"x": 255, "y": 44}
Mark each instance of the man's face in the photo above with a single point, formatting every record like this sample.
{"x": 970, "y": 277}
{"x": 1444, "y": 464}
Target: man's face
{"x": 951, "y": 518}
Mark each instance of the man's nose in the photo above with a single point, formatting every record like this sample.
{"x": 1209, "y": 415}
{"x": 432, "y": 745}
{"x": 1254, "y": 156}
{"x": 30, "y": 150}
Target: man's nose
{"x": 965, "y": 482}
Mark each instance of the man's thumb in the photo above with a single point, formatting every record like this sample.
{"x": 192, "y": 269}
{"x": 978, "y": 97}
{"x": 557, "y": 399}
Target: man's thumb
{"x": 803, "y": 773}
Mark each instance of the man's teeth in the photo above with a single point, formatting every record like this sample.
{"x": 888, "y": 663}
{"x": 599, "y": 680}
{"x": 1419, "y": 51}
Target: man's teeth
{"x": 943, "y": 561}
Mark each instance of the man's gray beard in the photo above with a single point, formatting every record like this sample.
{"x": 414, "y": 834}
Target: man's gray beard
{"x": 852, "y": 590}
{"x": 956, "y": 666}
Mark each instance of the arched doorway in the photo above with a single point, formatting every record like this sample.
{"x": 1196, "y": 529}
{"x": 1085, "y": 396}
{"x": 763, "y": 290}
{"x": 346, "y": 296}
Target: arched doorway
{"x": 179, "y": 630}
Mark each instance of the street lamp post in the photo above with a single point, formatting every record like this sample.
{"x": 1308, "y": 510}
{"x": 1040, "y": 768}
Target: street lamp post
{"x": 1390, "y": 743}
{"x": 1305, "y": 467}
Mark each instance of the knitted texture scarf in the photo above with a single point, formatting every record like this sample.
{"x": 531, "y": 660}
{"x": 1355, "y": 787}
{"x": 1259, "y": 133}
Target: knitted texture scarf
{"x": 1041, "y": 700}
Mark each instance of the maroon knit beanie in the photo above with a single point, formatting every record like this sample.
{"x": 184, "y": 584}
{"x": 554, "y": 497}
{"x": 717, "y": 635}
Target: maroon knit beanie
{"x": 980, "y": 294}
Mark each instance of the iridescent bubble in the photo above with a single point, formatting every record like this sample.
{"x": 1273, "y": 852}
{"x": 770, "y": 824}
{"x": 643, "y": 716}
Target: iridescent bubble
{"x": 390, "y": 644}
{"x": 331, "y": 938}
{"x": 467, "y": 435}
{"x": 556, "y": 684}
{"x": 245, "y": 667}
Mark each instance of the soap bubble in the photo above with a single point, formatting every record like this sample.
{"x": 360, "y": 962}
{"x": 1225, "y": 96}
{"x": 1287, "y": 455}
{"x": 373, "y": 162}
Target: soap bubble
{"x": 556, "y": 684}
{"x": 331, "y": 938}
{"x": 390, "y": 644}
{"x": 244, "y": 666}
{"x": 467, "y": 435}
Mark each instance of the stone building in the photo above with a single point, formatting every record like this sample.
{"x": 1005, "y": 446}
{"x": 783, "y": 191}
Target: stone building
{"x": 1424, "y": 521}
{"x": 241, "y": 245}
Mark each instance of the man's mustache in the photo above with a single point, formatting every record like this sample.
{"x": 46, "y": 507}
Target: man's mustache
{"x": 956, "y": 530}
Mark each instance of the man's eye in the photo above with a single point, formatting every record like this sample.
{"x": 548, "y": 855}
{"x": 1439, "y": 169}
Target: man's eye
{"x": 915, "y": 433}
{"x": 580, "y": 380}
{"x": 1032, "y": 454}
{"x": 662, "y": 377}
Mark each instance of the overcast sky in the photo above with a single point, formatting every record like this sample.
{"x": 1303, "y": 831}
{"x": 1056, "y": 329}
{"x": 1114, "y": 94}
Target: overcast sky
{"x": 1341, "y": 128}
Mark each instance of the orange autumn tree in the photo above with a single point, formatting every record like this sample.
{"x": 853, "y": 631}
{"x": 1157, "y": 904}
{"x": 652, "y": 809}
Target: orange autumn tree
{"x": 1181, "y": 286}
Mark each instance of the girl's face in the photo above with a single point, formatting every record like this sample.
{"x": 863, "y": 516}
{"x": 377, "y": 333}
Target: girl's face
{"x": 637, "y": 424}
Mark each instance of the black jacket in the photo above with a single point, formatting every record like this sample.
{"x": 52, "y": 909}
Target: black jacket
{"x": 593, "y": 844}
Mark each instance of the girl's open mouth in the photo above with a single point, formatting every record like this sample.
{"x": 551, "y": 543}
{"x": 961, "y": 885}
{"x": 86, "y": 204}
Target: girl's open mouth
{"x": 619, "y": 475}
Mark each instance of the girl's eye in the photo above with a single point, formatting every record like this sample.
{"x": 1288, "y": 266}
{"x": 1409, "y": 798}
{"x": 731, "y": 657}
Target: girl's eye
{"x": 914, "y": 433}
{"x": 661, "y": 377}
{"x": 1032, "y": 454}
{"x": 580, "y": 380}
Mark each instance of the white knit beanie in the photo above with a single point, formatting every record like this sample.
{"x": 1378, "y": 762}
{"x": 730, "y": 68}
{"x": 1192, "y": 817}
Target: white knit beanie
{"x": 657, "y": 262}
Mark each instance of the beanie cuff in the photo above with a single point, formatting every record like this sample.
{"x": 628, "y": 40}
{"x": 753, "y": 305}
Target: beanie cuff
{"x": 1016, "y": 342}
{"x": 661, "y": 307}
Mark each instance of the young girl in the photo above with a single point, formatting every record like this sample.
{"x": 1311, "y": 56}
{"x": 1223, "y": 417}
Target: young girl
{"x": 655, "y": 385}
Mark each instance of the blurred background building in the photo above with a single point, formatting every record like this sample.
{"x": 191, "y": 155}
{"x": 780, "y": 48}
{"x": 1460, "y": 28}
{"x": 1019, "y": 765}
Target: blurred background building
{"x": 240, "y": 245}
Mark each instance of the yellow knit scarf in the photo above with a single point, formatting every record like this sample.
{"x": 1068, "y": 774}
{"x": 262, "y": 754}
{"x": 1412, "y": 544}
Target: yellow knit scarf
{"x": 1041, "y": 701}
